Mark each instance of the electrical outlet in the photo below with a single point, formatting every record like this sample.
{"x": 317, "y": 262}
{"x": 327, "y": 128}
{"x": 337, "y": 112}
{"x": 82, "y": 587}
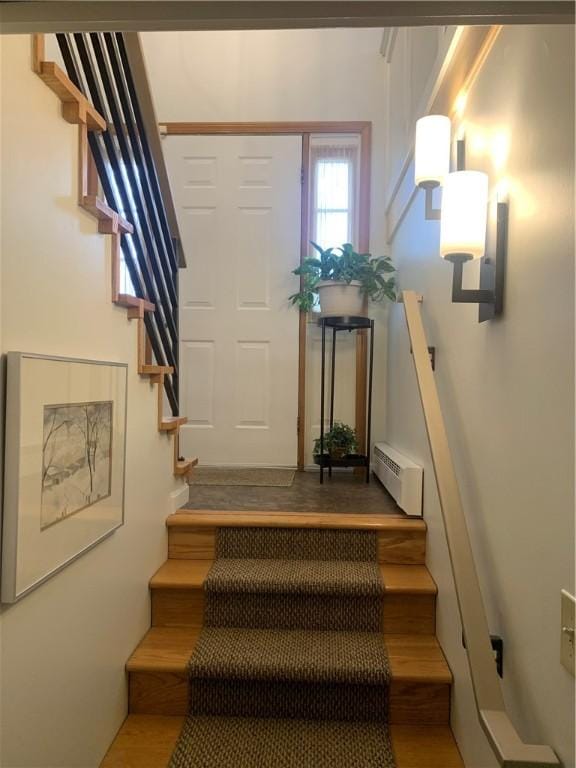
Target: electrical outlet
{"x": 567, "y": 631}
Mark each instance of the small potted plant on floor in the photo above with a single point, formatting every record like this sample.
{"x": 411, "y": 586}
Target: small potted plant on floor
{"x": 342, "y": 279}
{"x": 339, "y": 441}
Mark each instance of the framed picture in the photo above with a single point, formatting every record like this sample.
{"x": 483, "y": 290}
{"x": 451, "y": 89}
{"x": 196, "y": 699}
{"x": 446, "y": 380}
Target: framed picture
{"x": 64, "y": 464}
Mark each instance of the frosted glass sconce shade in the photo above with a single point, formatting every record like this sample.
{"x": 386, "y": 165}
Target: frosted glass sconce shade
{"x": 432, "y": 153}
{"x": 464, "y": 215}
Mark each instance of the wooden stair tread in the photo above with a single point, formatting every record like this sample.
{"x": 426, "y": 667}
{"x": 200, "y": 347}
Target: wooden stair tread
{"x": 144, "y": 741}
{"x": 133, "y": 302}
{"x": 184, "y": 466}
{"x": 215, "y": 519}
{"x": 103, "y": 212}
{"x": 156, "y": 370}
{"x": 171, "y": 422}
{"x": 408, "y": 579}
{"x": 417, "y": 658}
{"x": 181, "y": 574}
{"x": 413, "y": 658}
{"x": 147, "y": 741}
{"x": 190, "y": 574}
{"x": 165, "y": 649}
{"x": 124, "y": 226}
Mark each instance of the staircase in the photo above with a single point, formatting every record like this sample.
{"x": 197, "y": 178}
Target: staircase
{"x": 183, "y": 598}
{"x": 78, "y": 110}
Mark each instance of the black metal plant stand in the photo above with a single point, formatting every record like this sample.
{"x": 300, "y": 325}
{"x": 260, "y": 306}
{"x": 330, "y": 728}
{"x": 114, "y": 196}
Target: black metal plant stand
{"x": 324, "y": 460}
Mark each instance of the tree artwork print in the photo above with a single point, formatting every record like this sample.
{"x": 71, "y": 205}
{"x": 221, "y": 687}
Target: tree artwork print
{"x": 76, "y": 459}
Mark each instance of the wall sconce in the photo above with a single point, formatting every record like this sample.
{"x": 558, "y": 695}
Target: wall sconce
{"x": 463, "y": 216}
{"x": 432, "y": 157}
{"x": 463, "y": 238}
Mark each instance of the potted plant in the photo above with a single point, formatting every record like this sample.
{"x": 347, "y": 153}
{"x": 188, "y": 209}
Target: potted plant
{"x": 342, "y": 278}
{"x": 339, "y": 441}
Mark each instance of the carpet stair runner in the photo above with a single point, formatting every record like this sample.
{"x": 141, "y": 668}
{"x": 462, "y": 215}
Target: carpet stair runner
{"x": 294, "y": 640}
{"x": 291, "y": 660}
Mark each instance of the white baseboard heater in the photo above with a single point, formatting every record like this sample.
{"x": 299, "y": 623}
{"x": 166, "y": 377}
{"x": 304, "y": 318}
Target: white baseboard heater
{"x": 401, "y": 477}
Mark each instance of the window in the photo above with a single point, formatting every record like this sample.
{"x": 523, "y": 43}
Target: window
{"x": 334, "y": 192}
{"x": 334, "y": 176}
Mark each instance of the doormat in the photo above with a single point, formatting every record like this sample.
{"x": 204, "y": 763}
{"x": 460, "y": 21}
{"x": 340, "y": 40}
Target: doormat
{"x": 279, "y": 478}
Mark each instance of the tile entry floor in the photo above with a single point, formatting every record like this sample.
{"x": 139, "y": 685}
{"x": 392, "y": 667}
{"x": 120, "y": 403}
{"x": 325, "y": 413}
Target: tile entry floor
{"x": 344, "y": 492}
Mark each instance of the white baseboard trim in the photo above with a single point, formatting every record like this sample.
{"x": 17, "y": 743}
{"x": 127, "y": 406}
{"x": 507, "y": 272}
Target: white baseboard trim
{"x": 178, "y": 498}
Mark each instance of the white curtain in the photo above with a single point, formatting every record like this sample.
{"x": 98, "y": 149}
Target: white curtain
{"x": 333, "y": 214}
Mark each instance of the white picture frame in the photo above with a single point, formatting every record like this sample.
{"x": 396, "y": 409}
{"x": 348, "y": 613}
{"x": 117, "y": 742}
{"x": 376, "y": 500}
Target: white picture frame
{"x": 64, "y": 469}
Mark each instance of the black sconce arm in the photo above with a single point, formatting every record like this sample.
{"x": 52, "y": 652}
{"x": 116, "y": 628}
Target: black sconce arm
{"x": 490, "y": 295}
{"x": 466, "y": 295}
{"x": 431, "y": 213}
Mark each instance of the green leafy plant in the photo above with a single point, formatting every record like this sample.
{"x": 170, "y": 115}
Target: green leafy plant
{"x": 344, "y": 264}
{"x": 339, "y": 441}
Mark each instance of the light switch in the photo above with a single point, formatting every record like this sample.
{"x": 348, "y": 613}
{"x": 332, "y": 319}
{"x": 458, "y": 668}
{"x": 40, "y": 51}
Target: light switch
{"x": 567, "y": 628}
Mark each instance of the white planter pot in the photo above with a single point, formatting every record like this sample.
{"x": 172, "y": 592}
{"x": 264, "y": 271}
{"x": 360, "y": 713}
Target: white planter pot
{"x": 343, "y": 299}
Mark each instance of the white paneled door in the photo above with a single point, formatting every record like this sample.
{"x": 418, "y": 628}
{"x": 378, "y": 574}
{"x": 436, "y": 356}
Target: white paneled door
{"x": 238, "y": 205}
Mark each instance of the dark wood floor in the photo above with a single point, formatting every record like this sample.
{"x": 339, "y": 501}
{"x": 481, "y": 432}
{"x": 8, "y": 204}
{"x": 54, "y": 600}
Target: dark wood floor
{"x": 344, "y": 492}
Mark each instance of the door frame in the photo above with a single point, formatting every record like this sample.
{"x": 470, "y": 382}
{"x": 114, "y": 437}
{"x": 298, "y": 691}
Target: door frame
{"x": 363, "y": 129}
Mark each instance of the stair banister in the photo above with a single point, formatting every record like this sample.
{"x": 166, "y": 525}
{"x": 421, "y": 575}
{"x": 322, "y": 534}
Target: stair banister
{"x": 137, "y": 65}
{"x": 508, "y": 747}
{"x": 99, "y": 65}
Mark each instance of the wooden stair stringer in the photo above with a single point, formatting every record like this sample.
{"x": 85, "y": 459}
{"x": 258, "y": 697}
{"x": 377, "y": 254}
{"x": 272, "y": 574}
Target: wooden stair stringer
{"x": 156, "y": 373}
{"x": 75, "y": 106}
{"x": 77, "y": 110}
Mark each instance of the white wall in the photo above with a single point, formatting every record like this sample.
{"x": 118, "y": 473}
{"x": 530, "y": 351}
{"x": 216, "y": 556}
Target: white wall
{"x": 506, "y": 387}
{"x": 65, "y": 645}
{"x": 323, "y": 75}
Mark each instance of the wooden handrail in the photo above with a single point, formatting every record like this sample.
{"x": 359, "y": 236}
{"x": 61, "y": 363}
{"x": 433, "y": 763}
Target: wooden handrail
{"x": 508, "y": 747}
{"x": 141, "y": 82}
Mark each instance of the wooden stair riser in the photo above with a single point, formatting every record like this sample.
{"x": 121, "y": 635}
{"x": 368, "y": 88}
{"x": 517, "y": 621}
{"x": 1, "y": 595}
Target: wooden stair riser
{"x": 160, "y": 693}
{"x": 177, "y": 607}
{"x": 394, "y": 547}
{"x": 402, "y": 614}
{"x": 402, "y": 547}
{"x": 409, "y": 614}
{"x": 419, "y": 703}
{"x": 411, "y": 703}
